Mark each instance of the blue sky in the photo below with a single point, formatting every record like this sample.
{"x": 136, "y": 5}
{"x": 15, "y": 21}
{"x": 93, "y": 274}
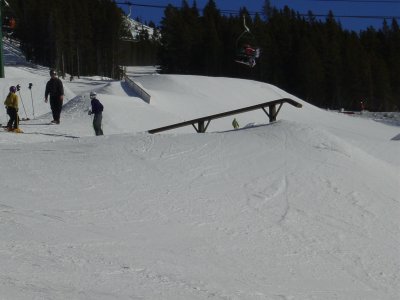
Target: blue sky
{"x": 339, "y": 7}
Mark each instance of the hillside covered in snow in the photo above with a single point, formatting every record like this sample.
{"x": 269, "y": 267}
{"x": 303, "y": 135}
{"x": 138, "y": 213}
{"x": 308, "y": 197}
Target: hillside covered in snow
{"x": 303, "y": 208}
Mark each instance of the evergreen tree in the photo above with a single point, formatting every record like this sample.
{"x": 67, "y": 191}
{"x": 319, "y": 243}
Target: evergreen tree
{"x": 308, "y": 73}
{"x": 394, "y": 63}
{"x": 332, "y": 63}
{"x": 171, "y": 40}
{"x": 72, "y": 36}
{"x": 212, "y": 45}
{"x": 312, "y": 58}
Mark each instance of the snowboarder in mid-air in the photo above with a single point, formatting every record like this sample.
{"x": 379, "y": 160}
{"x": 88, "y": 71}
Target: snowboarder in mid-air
{"x": 97, "y": 110}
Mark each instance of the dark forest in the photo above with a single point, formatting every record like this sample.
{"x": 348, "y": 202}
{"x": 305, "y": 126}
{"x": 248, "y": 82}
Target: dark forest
{"x": 312, "y": 58}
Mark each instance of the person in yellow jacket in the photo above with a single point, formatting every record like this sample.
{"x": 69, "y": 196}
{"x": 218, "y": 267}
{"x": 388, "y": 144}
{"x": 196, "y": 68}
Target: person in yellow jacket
{"x": 11, "y": 104}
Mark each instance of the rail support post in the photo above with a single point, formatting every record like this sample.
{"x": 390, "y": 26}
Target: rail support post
{"x": 201, "y": 126}
{"x": 272, "y": 113}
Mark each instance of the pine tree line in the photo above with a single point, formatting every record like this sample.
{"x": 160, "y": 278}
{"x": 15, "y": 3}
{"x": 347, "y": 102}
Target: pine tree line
{"x": 313, "y": 59}
{"x": 76, "y": 37}
{"x": 316, "y": 60}
{"x": 143, "y": 49}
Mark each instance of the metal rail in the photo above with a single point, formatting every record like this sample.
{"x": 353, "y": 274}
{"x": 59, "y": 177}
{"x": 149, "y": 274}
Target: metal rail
{"x": 202, "y": 123}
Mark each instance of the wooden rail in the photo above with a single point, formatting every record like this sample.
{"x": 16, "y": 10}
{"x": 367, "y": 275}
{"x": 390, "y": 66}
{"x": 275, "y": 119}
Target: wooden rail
{"x": 202, "y": 123}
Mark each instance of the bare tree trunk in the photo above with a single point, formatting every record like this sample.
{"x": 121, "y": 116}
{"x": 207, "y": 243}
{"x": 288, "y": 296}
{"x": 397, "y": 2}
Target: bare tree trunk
{"x": 78, "y": 63}
{"x": 63, "y": 65}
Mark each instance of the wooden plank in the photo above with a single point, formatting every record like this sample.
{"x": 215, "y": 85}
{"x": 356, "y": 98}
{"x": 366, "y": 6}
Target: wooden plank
{"x": 200, "y": 121}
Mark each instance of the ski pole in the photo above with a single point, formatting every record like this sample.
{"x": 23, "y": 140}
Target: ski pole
{"x": 18, "y": 89}
{"x": 33, "y": 108}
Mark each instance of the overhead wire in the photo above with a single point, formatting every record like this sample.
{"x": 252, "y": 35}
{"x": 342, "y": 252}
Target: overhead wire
{"x": 235, "y": 12}
{"x": 362, "y": 1}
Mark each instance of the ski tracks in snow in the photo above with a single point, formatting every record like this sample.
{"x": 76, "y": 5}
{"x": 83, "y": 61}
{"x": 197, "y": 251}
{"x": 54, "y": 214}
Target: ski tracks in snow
{"x": 268, "y": 195}
{"x": 353, "y": 239}
{"x": 268, "y": 199}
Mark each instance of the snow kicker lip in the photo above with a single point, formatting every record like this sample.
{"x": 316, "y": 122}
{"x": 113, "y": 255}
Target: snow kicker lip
{"x": 396, "y": 138}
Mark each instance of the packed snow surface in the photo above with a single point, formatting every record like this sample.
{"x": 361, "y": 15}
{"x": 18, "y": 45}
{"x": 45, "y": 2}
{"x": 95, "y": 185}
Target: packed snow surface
{"x": 303, "y": 208}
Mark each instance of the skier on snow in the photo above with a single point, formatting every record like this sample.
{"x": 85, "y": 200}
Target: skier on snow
{"x": 97, "y": 110}
{"x": 11, "y": 104}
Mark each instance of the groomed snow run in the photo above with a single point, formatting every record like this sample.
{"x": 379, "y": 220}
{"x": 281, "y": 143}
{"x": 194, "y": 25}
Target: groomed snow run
{"x": 303, "y": 208}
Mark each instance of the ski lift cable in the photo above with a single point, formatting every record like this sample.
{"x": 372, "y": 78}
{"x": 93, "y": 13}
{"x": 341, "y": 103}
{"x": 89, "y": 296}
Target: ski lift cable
{"x": 362, "y": 1}
{"x": 223, "y": 11}
{"x": 235, "y": 12}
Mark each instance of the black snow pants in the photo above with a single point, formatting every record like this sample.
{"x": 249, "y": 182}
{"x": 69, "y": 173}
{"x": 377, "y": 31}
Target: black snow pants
{"x": 56, "y": 106}
{"x": 12, "y": 112}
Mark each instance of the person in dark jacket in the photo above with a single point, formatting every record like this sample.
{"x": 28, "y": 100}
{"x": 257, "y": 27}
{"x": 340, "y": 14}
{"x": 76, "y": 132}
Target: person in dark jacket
{"x": 55, "y": 89}
{"x": 97, "y": 110}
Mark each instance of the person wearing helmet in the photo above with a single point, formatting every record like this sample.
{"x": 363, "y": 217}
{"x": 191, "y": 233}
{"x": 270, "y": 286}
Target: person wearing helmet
{"x": 55, "y": 89}
{"x": 248, "y": 55}
{"x": 11, "y": 104}
{"x": 97, "y": 110}
{"x": 248, "y": 50}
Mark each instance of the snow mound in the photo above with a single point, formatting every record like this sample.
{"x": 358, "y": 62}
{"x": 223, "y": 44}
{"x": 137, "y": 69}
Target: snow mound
{"x": 303, "y": 208}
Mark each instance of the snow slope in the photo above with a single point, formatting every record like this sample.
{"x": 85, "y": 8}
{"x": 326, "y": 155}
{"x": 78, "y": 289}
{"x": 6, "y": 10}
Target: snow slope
{"x": 304, "y": 208}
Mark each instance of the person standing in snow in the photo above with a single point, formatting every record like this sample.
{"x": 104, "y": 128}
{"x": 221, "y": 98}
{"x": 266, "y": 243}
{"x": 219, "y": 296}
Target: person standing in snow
{"x": 55, "y": 89}
{"x": 97, "y": 110}
{"x": 235, "y": 124}
{"x": 11, "y": 104}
